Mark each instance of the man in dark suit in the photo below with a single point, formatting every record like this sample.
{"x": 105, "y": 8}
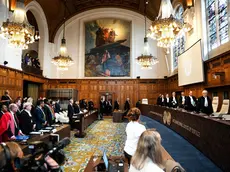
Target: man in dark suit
{"x": 159, "y": 100}
{"x": 70, "y": 112}
{"x": 167, "y": 100}
{"x": 26, "y": 121}
{"x": 90, "y": 105}
{"x": 182, "y": 100}
{"x": 116, "y": 105}
{"x": 204, "y": 104}
{"x": 102, "y": 109}
{"x": 40, "y": 117}
{"x": 173, "y": 100}
{"x": 190, "y": 102}
{"x": 48, "y": 112}
{"x": 6, "y": 99}
{"x": 127, "y": 105}
{"x": 162, "y": 100}
{"x": 76, "y": 107}
{"x": 57, "y": 107}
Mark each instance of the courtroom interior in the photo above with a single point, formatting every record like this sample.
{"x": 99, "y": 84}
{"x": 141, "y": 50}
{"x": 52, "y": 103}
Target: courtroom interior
{"x": 114, "y": 85}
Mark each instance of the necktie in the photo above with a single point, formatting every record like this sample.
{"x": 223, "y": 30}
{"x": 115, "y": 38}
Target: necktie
{"x": 192, "y": 101}
{"x": 205, "y": 102}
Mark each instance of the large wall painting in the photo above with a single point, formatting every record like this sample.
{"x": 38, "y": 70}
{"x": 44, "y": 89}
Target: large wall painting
{"x": 107, "y": 48}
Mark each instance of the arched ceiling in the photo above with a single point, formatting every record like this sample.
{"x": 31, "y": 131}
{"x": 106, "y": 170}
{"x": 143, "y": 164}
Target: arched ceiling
{"x": 54, "y": 9}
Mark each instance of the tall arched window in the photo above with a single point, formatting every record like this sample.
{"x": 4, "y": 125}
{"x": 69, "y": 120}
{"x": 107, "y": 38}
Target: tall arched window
{"x": 217, "y": 22}
{"x": 179, "y": 43}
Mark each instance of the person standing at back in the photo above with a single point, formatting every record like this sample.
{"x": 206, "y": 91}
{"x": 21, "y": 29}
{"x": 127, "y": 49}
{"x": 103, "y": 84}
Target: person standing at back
{"x": 70, "y": 112}
{"x": 133, "y": 131}
{"x": 6, "y": 99}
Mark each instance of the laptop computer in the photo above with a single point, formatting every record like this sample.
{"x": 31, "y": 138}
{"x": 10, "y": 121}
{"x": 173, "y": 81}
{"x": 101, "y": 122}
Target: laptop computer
{"x": 112, "y": 167}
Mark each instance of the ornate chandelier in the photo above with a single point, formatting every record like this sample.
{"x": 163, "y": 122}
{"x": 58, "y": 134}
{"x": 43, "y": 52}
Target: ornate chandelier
{"x": 165, "y": 28}
{"x": 17, "y": 29}
{"x": 63, "y": 61}
{"x": 146, "y": 60}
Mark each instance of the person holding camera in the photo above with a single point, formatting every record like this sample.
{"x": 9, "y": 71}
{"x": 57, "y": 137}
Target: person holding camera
{"x": 9, "y": 153}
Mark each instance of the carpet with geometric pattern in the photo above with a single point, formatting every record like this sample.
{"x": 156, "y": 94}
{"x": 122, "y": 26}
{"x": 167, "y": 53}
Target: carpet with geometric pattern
{"x": 99, "y": 136}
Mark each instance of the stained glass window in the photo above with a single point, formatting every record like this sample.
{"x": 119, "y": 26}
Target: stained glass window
{"x": 179, "y": 43}
{"x": 217, "y": 22}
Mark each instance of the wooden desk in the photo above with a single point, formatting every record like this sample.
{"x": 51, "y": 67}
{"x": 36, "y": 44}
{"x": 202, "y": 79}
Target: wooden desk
{"x": 84, "y": 120}
{"x": 209, "y": 135}
{"x": 117, "y": 116}
{"x": 91, "y": 164}
{"x": 63, "y": 131}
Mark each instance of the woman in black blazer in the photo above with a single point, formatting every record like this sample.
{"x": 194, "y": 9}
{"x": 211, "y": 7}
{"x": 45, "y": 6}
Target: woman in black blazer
{"x": 26, "y": 120}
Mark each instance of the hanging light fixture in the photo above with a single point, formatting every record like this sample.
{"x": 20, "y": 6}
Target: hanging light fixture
{"x": 165, "y": 28}
{"x": 17, "y": 29}
{"x": 146, "y": 60}
{"x": 63, "y": 61}
{"x": 36, "y": 36}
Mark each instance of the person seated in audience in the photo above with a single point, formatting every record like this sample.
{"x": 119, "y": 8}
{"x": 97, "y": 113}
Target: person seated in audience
{"x": 159, "y": 100}
{"x": 70, "y": 112}
{"x": 204, "y": 104}
{"x": 182, "y": 100}
{"x": 167, "y": 100}
{"x": 148, "y": 155}
{"x": 116, "y": 105}
{"x": 48, "y": 112}
{"x": 162, "y": 100}
{"x": 133, "y": 131}
{"x": 6, "y": 99}
{"x": 14, "y": 123}
{"x": 26, "y": 122}
{"x": 15, "y": 151}
{"x": 5, "y": 128}
{"x": 40, "y": 116}
{"x": 76, "y": 107}
{"x": 90, "y": 105}
{"x": 57, "y": 106}
{"x": 190, "y": 102}
{"x": 173, "y": 100}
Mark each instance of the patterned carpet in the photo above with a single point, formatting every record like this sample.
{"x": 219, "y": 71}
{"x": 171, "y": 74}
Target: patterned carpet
{"x": 100, "y": 135}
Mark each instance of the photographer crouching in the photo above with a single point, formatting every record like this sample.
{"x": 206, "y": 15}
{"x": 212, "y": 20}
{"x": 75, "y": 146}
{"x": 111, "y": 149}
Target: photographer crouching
{"x": 43, "y": 157}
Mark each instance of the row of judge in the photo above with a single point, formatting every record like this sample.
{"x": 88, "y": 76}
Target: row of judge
{"x": 203, "y": 104}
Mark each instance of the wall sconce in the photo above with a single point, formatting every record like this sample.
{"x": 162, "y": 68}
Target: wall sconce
{"x": 190, "y": 3}
{"x": 221, "y": 75}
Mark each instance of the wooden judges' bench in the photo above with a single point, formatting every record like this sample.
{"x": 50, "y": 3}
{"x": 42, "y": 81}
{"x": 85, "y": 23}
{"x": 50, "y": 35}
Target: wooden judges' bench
{"x": 83, "y": 120}
{"x": 211, "y": 136}
{"x": 63, "y": 131}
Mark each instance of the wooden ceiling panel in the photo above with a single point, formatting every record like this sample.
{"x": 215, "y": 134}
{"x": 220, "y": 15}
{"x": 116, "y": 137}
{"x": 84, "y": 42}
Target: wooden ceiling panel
{"x": 54, "y": 9}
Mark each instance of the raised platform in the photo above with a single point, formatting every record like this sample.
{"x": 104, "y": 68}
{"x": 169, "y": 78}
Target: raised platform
{"x": 210, "y": 136}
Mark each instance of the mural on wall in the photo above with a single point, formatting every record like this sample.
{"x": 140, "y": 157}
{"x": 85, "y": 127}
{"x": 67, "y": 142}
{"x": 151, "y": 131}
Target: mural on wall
{"x": 107, "y": 48}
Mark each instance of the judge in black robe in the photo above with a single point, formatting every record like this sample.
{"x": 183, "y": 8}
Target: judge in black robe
{"x": 204, "y": 104}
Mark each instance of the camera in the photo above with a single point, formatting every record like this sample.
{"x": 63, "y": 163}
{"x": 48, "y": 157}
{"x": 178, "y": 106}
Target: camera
{"x": 43, "y": 158}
